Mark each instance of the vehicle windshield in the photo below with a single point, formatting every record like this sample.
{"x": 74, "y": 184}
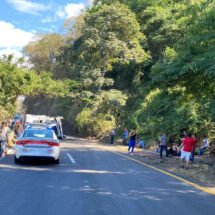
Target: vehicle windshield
{"x": 39, "y": 134}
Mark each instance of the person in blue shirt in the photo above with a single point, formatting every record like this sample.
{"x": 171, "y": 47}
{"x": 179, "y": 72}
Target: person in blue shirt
{"x": 141, "y": 143}
{"x": 132, "y": 141}
{"x": 125, "y": 137}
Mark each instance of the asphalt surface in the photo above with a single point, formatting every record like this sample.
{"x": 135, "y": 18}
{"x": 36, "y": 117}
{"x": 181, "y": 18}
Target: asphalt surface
{"x": 92, "y": 180}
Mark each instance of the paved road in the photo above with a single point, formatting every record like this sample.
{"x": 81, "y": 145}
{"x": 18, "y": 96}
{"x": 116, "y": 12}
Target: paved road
{"x": 91, "y": 180}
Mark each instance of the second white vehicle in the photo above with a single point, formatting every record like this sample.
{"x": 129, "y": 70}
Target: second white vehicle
{"x": 37, "y": 143}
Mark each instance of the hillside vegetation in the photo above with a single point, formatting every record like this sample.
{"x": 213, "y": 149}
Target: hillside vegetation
{"x": 147, "y": 64}
{"x": 15, "y": 80}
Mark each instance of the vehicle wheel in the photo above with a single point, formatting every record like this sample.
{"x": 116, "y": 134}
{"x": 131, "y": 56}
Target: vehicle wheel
{"x": 57, "y": 161}
{"x": 17, "y": 160}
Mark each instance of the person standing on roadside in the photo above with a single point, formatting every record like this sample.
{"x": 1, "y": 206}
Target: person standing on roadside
{"x": 184, "y": 133}
{"x": 112, "y": 136}
{"x": 132, "y": 141}
{"x": 4, "y": 138}
{"x": 141, "y": 143}
{"x": 9, "y": 123}
{"x": 1, "y": 144}
{"x": 18, "y": 128}
{"x": 125, "y": 137}
{"x": 186, "y": 150}
{"x": 205, "y": 145}
{"x": 163, "y": 145}
{"x": 194, "y": 147}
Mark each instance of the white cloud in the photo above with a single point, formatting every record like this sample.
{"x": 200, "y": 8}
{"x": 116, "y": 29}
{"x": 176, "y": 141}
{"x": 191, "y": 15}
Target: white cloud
{"x": 27, "y": 6}
{"x": 48, "y": 19}
{"x": 61, "y": 12}
{"x": 13, "y": 39}
{"x": 46, "y": 30}
{"x": 15, "y": 52}
{"x": 74, "y": 10}
{"x": 90, "y": 2}
{"x": 34, "y": 31}
{"x": 70, "y": 10}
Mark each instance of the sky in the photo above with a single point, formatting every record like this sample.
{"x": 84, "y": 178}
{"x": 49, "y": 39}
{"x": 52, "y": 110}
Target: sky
{"x": 22, "y": 20}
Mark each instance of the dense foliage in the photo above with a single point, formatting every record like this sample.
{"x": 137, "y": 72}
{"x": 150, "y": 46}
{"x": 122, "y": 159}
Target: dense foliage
{"x": 16, "y": 81}
{"x": 141, "y": 63}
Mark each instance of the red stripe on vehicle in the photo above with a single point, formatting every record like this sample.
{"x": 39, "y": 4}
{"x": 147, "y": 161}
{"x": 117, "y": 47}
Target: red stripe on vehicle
{"x": 36, "y": 142}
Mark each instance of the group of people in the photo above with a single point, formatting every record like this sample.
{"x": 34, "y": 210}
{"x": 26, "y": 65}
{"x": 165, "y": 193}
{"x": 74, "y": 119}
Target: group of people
{"x": 8, "y": 132}
{"x": 186, "y": 149}
{"x": 128, "y": 138}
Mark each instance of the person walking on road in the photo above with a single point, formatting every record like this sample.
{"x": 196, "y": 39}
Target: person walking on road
{"x": 112, "y": 136}
{"x": 132, "y": 141}
{"x": 186, "y": 151}
{"x": 163, "y": 145}
{"x": 125, "y": 137}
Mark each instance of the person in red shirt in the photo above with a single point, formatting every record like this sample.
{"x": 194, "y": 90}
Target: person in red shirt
{"x": 186, "y": 151}
{"x": 195, "y": 141}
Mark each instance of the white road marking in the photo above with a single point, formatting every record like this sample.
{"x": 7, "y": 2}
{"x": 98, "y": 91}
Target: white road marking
{"x": 71, "y": 158}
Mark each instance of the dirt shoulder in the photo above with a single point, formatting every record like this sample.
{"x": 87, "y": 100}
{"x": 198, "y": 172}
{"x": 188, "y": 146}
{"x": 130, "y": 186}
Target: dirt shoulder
{"x": 202, "y": 169}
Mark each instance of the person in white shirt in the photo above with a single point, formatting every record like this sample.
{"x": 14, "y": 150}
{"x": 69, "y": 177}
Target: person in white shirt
{"x": 3, "y": 138}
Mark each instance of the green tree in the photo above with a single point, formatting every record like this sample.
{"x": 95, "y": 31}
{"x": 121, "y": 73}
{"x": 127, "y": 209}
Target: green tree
{"x": 110, "y": 35}
{"x": 42, "y": 52}
{"x": 184, "y": 79}
{"x": 16, "y": 81}
{"x": 102, "y": 114}
{"x": 145, "y": 63}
